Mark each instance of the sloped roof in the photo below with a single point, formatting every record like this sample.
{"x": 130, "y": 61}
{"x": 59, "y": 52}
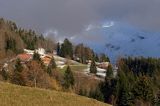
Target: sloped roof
{"x": 24, "y": 57}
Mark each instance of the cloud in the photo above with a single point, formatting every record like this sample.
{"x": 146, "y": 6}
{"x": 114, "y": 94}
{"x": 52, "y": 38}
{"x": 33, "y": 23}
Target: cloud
{"x": 70, "y": 17}
{"x": 108, "y": 24}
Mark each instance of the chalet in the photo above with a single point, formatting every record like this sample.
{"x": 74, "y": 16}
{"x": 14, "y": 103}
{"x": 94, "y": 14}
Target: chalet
{"x": 46, "y": 59}
{"x": 24, "y": 57}
{"x": 31, "y": 52}
{"x": 40, "y": 51}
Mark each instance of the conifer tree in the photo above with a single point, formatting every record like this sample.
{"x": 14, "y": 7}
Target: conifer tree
{"x": 18, "y": 66}
{"x": 143, "y": 90}
{"x": 36, "y": 57}
{"x": 96, "y": 58}
{"x": 52, "y": 63}
{"x": 93, "y": 68}
{"x": 4, "y": 74}
{"x": 109, "y": 72}
{"x": 52, "y": 66}
{"x": 104, "y": 58}
{"x": 96, "y": 94}
{"x": 10, "y": 43}
{"x": 66, "y": 49}
{"x": 58, "y": 49}
{"x": 125, "y": 97}
{"x": 68, "y": 78}
{"x": 17, "y": 76}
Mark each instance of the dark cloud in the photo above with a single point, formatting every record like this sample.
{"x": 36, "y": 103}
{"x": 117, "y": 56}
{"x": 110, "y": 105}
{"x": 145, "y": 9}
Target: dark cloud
{"x": 72, "y": 16}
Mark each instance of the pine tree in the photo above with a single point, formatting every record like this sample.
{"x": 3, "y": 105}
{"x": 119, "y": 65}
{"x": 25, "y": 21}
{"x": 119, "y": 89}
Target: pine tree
{"x": 66, "y": 49}
{"x": 18, "y": 66}
{"x": 17, "y": 76}
{"x": 143, "y": 90}
{"x": 96, "y": 58}
{"x": 104, "y": 58}
{"x": 109, "y": 72}
{"x": 36, "y": 57}
{"x": 58, "y": 49}
{"x": 96, "y": 94}
{"x": 10, "y": 44}
{"x": 49, "y": 71}
{"x": 108, "y": 89}
{"x": 80, "y": 53}
{"x": 68, "y": 78}
{"x": 93, "y": 68}
{"x": 125, "y": 98}
{"x": 52, "y": 66}
{"x": 4, "y": 74}
{"x": 52, "y": 63}
{"x": 62, "y": 52}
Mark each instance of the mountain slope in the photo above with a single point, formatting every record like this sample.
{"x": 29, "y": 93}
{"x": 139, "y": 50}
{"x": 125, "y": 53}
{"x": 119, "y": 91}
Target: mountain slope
{"x": 6, "y": 35}
{"x": 20, "y": 96}
{"x": 122, "y": 39}
{"x": 13, "y": 39}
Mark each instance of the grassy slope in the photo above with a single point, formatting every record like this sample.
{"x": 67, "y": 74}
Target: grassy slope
{"x": 12, "y": 95}
{"x": 74, "y": 68}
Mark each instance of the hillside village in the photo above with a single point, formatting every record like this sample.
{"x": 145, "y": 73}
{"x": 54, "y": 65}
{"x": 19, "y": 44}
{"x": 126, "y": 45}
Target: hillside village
{"x": 60, "y": 61}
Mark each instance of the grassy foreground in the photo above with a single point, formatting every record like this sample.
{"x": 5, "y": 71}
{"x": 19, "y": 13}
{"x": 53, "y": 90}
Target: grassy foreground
{"x": 13, "y": 95}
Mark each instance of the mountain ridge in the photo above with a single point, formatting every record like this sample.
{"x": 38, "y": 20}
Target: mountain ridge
{"x": 122, "y": 40}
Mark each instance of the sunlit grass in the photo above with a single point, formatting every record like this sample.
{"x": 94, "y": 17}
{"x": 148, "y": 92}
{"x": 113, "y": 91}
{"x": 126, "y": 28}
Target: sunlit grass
{"x": 12, "y": 95}
{"x": 74, "y": 68}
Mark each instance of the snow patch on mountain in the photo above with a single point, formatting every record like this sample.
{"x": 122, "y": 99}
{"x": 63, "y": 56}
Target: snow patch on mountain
{"x": 122, "y": 40}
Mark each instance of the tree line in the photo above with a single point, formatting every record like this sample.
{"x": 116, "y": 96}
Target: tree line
{"x": 136, "y": 83}
{"x": 79, "y": 52}
{"x": 14, "y": 39}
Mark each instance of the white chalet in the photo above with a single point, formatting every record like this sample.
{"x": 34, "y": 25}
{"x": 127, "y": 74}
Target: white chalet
{"x": 40, "y": 51}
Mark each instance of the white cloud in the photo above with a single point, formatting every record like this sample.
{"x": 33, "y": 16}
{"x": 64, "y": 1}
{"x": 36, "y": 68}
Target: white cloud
{"x": 108, "y": 24}
{"x": 99, "y": 25}
{"x": 72, "y": 37}
{"x": 89, "y": 27}
{"x": 51, "y": 32}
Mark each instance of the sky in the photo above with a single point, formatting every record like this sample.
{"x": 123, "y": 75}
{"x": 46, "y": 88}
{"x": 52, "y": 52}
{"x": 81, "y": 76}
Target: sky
{"x": 71, "y": 18}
